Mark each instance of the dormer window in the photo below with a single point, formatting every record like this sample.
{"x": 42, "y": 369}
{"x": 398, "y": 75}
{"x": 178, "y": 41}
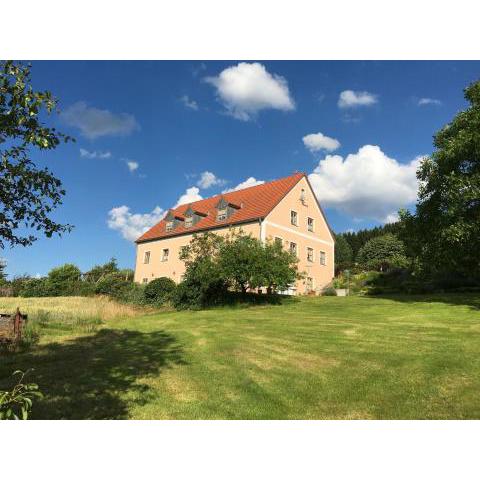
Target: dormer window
{"x": 188, "y": 222}
{"x": 225, "y": 209}
{"x": 222, "y": 214}
{"x": 169, "y": 226}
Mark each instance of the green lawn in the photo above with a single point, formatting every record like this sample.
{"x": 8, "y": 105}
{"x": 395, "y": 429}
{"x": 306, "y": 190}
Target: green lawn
{"x": 315, "y": 358}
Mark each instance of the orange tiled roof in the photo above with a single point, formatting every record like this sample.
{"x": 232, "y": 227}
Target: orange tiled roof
{"x": 255, "y": 202}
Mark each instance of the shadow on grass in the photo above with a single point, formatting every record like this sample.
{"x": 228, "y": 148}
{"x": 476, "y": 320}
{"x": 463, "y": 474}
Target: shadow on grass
{"x": 92, "y": 377}
{"x": 471, "y": 300}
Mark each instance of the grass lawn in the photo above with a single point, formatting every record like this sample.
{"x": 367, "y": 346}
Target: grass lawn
{"x": 314, "y": 358}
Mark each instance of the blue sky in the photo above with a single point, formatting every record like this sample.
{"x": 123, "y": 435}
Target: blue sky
{"x": 148, "y": 131}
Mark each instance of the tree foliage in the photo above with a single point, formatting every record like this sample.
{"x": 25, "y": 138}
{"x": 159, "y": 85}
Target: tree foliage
{"x": 343, "y": 253}
{"x": 99, "y": 271}
{"x": 356, "y": 240}
{"x": 160, "y": 290}
{"x": 63, "y": 280}
{"x": 444, "y": 232}
{"x": 28, "y": 193}
{"x": 3, "y": 274}
{"x": 383, "y": 253}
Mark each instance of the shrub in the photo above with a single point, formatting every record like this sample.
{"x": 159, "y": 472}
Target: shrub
{"x": 159, "y": 290}
{"x": 329, "y": 292}
{"x": 112, "y": 284}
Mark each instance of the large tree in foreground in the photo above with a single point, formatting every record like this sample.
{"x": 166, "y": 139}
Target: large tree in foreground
{"x": 28, "y": 193}
{"x": 444, "y": 233}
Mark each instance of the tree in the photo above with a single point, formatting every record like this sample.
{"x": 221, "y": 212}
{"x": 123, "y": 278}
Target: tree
{"x": 99, "y": 271}
{"x": 28, "y": 193}
{"x": 64, "y": 280}
{"x": 277, "y": 269}
{"x": 444, "y": 232}
{"x": 241, "y": 262}
{"x": 382, "y": 253}
{"x": 343, "y": 253}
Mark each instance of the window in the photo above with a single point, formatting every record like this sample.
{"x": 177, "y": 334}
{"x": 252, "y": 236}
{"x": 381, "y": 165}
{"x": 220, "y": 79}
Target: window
{"x": 323, "y": 258}
{"x": 309, "y": 284}
{"x": 169, "y": 226}
{"x": 146, "y": 258}
{"x": 188, "y": 222}
{"x": 222, "y": 214}
{"x": 293, "y": 217}
{"x": 145, "y": 280}
{"x": 165, "y": 254}
{"x": 293, "y": 248}
{"x": 309, "y": 254}
{"x": 279, "y": 241}
{"x": 310, "y": 224}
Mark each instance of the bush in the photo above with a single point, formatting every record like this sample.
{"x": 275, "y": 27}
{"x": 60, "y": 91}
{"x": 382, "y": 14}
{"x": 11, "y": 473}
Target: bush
{"x": 160, "y": 290}
{"x": 329, "y": 292}
{"x": 112, "y": 284}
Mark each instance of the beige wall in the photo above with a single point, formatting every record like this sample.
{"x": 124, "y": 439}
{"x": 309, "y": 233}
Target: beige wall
{"x": 174, "y": 267}
{"x": 278, "y": 224}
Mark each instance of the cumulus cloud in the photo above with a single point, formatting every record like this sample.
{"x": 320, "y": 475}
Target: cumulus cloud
{"x": 94, "y": 122}
{"x": 132, "y": 166}
{"x": 249, "y": 182}
{"x": 352, "y": 99}
{"x": 189, "y": 103}
{"x": 428, "y": 101}
{"x": 367, "y": 184}
{"x": 318, "y": 141}
{"x": 94, "y": 154}
{"x": 209, "y": 179}
{"x": 247, "y": 88}
{"x": 192, "y": 194}
{"x": 132, "y": 225}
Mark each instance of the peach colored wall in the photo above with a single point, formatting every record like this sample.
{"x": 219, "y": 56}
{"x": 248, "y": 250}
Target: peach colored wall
{"x": 277, "y": 224}
{"x": 174, "y": 267}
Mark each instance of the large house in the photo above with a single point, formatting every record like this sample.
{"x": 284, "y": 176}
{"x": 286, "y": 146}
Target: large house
{"x": 284, "y": 210}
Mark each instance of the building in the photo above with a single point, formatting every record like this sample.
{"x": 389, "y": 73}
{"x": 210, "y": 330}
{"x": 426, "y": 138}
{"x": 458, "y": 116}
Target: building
{"x": 284, "y": 210}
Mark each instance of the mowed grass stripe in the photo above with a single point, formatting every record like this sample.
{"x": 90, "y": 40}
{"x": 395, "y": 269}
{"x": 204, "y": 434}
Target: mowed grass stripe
{"x": 311, "y": 358}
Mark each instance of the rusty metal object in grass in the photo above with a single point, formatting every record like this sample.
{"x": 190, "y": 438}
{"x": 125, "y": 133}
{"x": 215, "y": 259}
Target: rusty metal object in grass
{"x": 11, "y": 327}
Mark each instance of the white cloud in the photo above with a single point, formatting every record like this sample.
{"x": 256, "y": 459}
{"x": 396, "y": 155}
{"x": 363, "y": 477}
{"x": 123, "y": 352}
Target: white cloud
{"x": 366, "y": 184}
{"x": 247, "y": 88}
{"x": 249, "y": 182}
{"x": 94, "y": 122}
{"x": 192, "y": 194}
{"x": 132, "y": 166}
{"x": 209, "y": 179}
{"x": 94, "y": 154}
{"x": 428, "y": 101}
{"x": 189, "y": 103}
{"x": 351, "y": 99}
{"x": 132, "y": 225}
{"x": 318, "y": 141}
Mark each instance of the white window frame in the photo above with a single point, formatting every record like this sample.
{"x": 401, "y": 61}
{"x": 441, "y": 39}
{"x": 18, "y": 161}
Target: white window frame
{"x": 323, "y": 258}
{"x": 189, "y": 220}
{"x": 310, "y": 249}
{"x": 296, "y": 248}
{"x": 165, "y": 257}
{"x": 146, "y": 257}
{"x": 308, "y": 224}
{"x": 144, "y": 280}
{"x": 296, "y": 217}
{"x": 169, "y": 226}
